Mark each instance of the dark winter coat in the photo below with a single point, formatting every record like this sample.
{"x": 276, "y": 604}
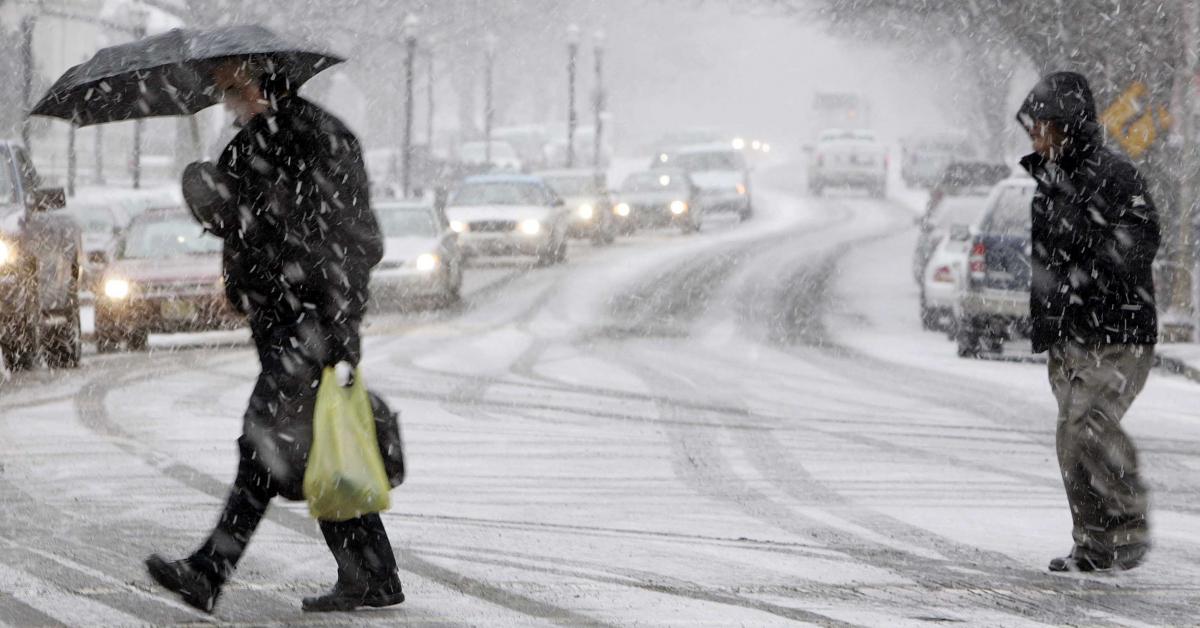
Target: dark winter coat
{"x": 1095, "y": 229}
{"x": 300, "y": 241}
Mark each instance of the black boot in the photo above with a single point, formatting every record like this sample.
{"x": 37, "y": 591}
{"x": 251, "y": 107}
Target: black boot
{"x": 1080, "y": 560}
{"x": 196, "y": 588}
{"x": 348, "y": 596}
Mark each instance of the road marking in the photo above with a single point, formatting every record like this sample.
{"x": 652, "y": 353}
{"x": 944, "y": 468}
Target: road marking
{"x": 65, "y": 606}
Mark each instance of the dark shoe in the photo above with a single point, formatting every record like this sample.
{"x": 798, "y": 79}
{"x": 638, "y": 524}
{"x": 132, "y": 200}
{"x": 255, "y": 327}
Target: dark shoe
{"x": 1081, "y": 560}
{"x": 348, "y": 597}
{"x": 197, "y": 589}
{"x": 1130, "y": 556}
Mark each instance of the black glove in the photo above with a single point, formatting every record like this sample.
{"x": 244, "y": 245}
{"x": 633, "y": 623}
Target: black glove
{"x": 208, "y": 194}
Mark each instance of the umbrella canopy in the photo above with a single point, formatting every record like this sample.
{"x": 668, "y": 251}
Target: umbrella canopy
{"x": 168, "y": 74}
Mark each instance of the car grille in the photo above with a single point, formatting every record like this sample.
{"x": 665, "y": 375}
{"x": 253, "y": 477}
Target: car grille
{"x": 492, "y": 226}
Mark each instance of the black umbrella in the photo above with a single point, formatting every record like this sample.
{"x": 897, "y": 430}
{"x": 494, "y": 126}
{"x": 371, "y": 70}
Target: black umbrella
{"x": 168, "y": 74}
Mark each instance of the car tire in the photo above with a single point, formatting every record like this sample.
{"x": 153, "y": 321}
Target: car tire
{"x": 21, "y": 343}
{"x": 560, "y": 251}
{"x": 967, "y": 338}
{"x": 139, "y": 340}
{"x": 64, "y": 347}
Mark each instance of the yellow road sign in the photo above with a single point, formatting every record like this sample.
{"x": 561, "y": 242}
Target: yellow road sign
{"x": 1132, "y": 122}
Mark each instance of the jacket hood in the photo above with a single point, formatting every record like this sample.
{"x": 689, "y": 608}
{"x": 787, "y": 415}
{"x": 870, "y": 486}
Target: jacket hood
{"x": 1064, "y": 98}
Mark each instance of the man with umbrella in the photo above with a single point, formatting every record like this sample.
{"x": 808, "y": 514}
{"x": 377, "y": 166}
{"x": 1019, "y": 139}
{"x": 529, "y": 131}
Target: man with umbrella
{"x": 289, "y": 197}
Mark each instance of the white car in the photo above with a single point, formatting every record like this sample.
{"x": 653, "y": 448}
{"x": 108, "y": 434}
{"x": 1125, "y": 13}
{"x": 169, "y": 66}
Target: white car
{"x": 945, "y": 230}
{"x": 509, "y": 214}
{"x": 503, "y": 156}
{"x": 421, "y": 255}
{"x": 854, "y": 159}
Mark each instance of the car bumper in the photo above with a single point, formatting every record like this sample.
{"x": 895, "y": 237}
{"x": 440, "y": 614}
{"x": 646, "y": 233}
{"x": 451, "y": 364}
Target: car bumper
{"x": 940, "y": 295}
{"x": 724, "y": 204}
{"x": 407, "y": 283}
{"x": 500, "y": 244}
{"x": 849, "y": 178}
{"x": 165, "y": 314}
{"x": 986, "y": 303}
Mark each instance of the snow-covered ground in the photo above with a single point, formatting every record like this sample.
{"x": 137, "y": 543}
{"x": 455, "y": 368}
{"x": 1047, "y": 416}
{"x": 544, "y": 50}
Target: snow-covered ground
{"x": 742, "y": 427}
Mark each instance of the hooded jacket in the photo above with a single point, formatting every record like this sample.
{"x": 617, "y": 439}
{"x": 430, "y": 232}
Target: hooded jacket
{"x": 1094, "y": 229}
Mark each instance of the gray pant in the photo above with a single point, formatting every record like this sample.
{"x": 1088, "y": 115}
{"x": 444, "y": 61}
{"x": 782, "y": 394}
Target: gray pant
{"x": 1095, "y": 387}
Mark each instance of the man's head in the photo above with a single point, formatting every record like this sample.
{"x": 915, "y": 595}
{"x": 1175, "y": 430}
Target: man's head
{"x": 240, "y": 84}
{"x": 1060, "y": 114}
{"x": 1048, "y": 138}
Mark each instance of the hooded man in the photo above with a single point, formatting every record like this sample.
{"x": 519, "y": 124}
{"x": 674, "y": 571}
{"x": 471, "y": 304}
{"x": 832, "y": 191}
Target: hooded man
{"x": 289, "y": 197}
{"x": 1094, "y": 236}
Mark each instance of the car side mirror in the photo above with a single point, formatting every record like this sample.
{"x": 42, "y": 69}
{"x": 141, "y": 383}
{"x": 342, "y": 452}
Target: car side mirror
{"x": 45, "y": 199}
{"x": 558, "y": 202}
{"x": 960, "y": 233}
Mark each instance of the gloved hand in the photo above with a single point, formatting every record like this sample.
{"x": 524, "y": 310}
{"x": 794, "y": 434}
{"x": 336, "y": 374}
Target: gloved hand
{"x": 344, "y": 372}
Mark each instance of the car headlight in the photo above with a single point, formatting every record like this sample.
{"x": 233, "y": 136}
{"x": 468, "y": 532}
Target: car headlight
{"x": 426, "y": 262}
{"x": 741, "y": 189}
{"x": 622, "y": 209}
{"x": 531, "y": 227}
{"x": 678, "y": 207}
{"x": 7, "y": 253}
{"x": 586, "y": 211}
{"x": 116, "y": 288}
{"x": 458, "y": 226}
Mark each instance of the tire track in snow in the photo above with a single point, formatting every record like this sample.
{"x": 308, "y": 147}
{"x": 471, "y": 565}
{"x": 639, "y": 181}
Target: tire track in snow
{"x": 92, "y": 411}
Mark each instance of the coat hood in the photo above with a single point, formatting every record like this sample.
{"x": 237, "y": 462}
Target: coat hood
{"x": 1065, "y": 98}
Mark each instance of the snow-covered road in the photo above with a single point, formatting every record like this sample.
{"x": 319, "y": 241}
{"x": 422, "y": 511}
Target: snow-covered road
{"x": 744, "y": 427}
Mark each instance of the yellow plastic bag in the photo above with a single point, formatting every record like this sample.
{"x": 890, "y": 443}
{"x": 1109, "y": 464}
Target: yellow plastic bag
{"x": 345, "y": 477}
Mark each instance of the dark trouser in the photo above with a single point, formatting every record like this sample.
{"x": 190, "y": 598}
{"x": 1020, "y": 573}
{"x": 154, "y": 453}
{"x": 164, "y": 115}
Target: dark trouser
{"x": 1095, "y": 387}
{"x": 360, "y": 546}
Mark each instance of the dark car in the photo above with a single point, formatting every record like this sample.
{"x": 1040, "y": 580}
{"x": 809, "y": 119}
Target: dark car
{"x": 659, "y": 198}
{"x": 994, "y": 304}
{"x": 960, "y": 191}
{"x": 164, "y": 278}
{"x": 41, "y": 266}
{"x": 588, "y": 200}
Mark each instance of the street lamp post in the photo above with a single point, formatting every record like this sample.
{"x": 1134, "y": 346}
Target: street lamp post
{"x": 27, "y": 24}
{"x": 410, "y": 42}
{"x": 572, "y": 56}
{"x": 489, "y": 104}
{"x": 598, "y": 41}
{"x": 429, "y": 94}
{"x": 139, "y": 31}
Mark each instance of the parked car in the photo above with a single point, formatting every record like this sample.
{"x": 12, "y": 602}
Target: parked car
{"x": 589, "y": 202}
{"x": 719, "y": 173}
{"x": 41, "y": 268}
{"x": 509, "y": 214}
{"x": 923, "y": 160}
{"x": 102, "y": 223}
{"x": 854, "y": 159}
{"x": 421, "y": 258}
{"x": 945, "y": 275}
{"x": 503, "y": 156}
{"x": 164, "y": 278}
{"x": 960, "y": 191}
{"x": 993, "y": 306}
{"x": 658, "y": 198}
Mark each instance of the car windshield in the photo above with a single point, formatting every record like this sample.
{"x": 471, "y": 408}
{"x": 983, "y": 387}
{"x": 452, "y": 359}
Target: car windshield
{"x": 573, "y": 185}
{"x": 499, "y": 193}
{"x": 959, "y": 210}
{"x": 653, "y": 182}
{"x": 407, "y": 221}
{"x": 1011, "y": 215}
{"x": 93, "y": 219}
{"x": 164, "y": 238}
{"x": 972, "y": 175}
{"x": 714, "y": 160}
